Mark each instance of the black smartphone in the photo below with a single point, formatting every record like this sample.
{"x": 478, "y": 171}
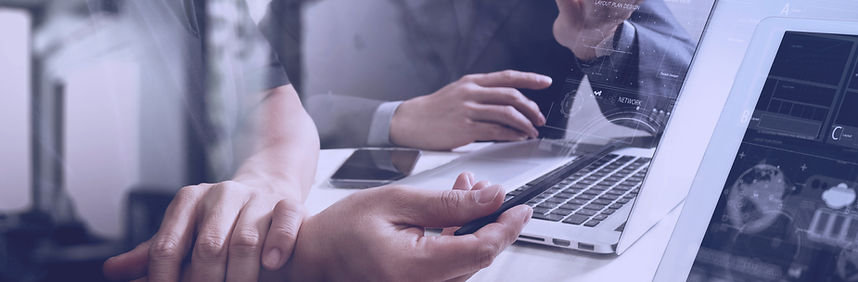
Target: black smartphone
{"x": 370, "y": 167}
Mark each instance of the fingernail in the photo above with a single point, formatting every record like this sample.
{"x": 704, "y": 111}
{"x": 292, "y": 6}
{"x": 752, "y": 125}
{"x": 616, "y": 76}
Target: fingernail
{"x": 272, "y": 258}
{"x": 547, "y": 79}
{"x": 486, "y": 196}
{"x": 471, "y": 179}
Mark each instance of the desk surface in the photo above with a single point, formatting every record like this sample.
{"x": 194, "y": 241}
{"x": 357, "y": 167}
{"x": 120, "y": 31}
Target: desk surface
{"x": 525, "y": 261}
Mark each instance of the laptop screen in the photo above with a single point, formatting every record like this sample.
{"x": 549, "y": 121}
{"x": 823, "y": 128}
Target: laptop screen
{"x": 630, "y": 91}
{"x": 787, "y": 211}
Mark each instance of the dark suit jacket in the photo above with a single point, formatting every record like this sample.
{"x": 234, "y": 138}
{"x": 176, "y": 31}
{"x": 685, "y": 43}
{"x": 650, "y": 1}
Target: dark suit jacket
{"x": 355, "y": 55}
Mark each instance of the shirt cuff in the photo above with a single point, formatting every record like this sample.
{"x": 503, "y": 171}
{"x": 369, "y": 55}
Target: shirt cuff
{"x": 379, "y": 130}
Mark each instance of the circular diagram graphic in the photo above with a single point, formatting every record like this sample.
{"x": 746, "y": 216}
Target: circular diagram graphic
{"x": 756, "y": 198}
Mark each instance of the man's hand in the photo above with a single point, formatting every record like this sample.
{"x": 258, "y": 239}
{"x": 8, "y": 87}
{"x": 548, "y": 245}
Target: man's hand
{"x": 478, "y": 107}
{"x": 228, "y": 227}
{"x": 582, "y": 24}
{"x": 378, "y": 235}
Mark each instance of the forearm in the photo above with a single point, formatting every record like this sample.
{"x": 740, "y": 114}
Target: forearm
{"x": 288, "y": 146}
{"x": 343, "y": 121}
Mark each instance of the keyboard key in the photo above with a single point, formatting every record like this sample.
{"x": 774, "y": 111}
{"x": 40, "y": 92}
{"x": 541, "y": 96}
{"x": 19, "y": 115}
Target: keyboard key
{"x": 585, "y": 197}
{"x": 609, "y": 211}
{"x": 602, "y": 202}
{"x": 555, "y": 200}
{"x": 592, "y": 223}
{"x": 600, "y": 217}
{"x": 613, "y": 179}
{"x": 623, "y": 200}
{"x": 594, "y": 207}
{"x": 547, "y": 205}
{"x": 570, "y": 206}
{"x": 573, "y": 189}
{"x": 562, "y": 212}
{"x": 624, "y": 188}
{"x": 601, "y": 187}
{"x": 578, "y": 201}
{"x": 576, "y": 219}
{"x": 609, "y": 197}
{"x": 549, "y": 217}
{"x": 593, "y": 192}
{"x": 540, "y": 210}
{"x": 615, "y": 192}
{"x": 586, "y": 212}
{"x": 616, "y": 206}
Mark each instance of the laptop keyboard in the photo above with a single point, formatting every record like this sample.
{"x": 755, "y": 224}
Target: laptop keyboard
{"x": 590, "y": 195}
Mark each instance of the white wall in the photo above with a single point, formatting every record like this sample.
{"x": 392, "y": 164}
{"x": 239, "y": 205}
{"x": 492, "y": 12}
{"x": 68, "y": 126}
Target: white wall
{"x": 15, "y": 163}
{"x": 123, "y": 122}
{"x": 102, "y": 140}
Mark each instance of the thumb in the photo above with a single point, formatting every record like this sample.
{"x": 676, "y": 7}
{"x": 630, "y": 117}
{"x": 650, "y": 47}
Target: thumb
{"x": 464, "y": 182}
{"x": 286, "y": 219}
{"x": 444, "y": 208}
{"x": 128, "y": 266}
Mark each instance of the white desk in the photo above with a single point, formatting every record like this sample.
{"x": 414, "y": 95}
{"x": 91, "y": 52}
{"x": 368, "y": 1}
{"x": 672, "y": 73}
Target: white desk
{"x": 525, "y": 261}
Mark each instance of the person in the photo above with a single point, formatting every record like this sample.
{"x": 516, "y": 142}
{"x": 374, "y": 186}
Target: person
{"x": 385, "y": 69}
{"x": 232, "y": 230}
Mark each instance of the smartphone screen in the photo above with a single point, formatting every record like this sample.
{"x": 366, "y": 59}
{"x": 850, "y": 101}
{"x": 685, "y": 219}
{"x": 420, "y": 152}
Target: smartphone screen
{"x": 377, "y": 165}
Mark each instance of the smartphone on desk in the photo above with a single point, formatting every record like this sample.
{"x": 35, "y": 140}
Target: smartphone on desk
{"x": 371, "y": 167}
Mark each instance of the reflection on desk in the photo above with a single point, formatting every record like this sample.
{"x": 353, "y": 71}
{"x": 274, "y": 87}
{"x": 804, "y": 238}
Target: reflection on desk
{"x": 524, "y": 261}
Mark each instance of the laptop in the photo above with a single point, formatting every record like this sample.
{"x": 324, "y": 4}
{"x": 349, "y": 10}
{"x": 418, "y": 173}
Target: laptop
{"x": 775, "y": 196}
{"x": 585, "y": 183}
